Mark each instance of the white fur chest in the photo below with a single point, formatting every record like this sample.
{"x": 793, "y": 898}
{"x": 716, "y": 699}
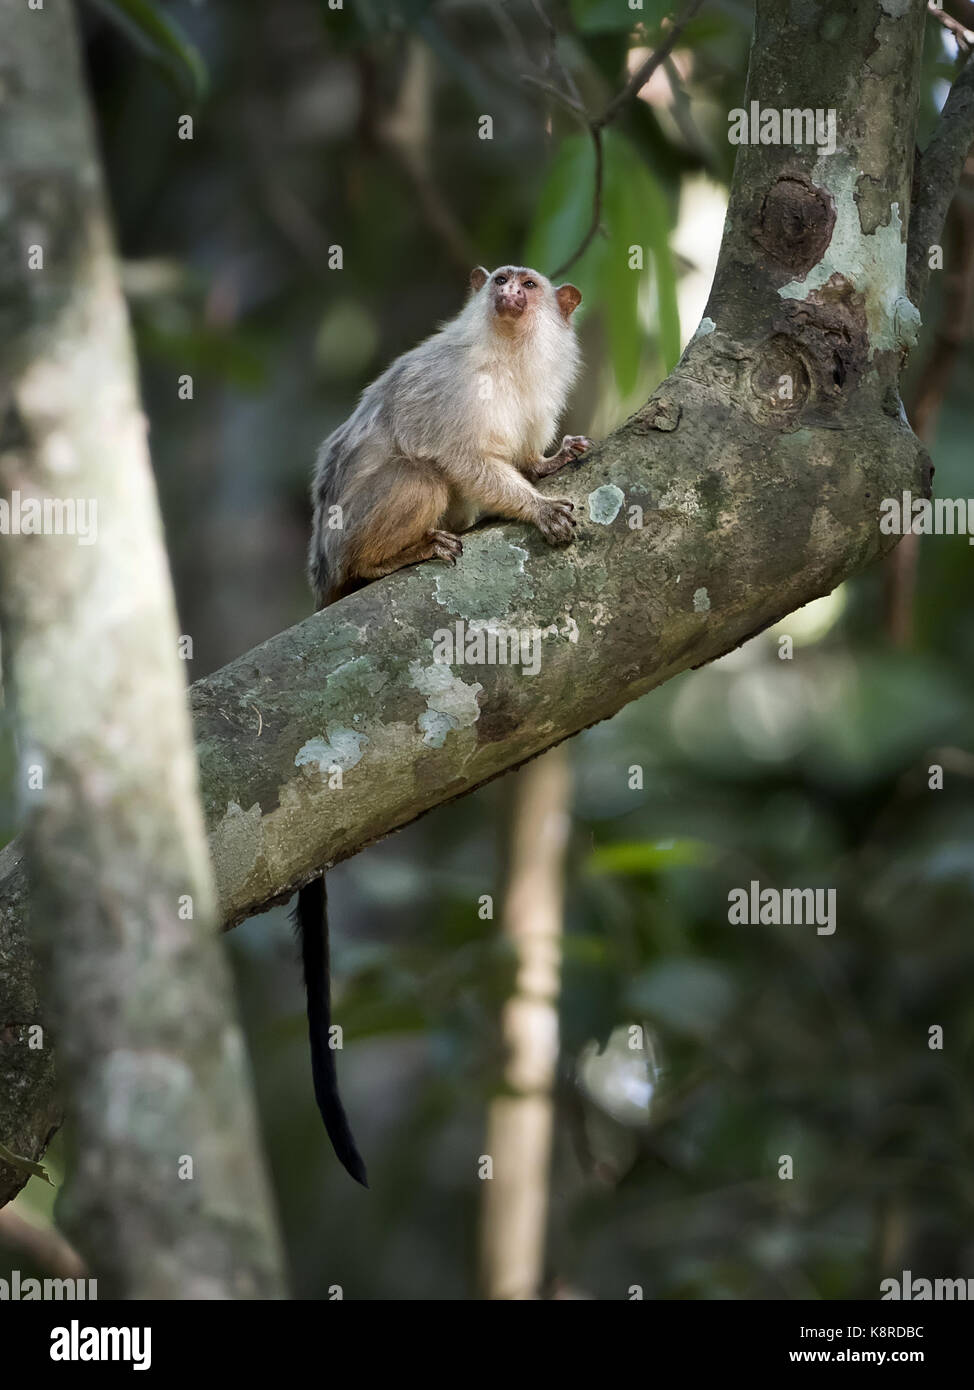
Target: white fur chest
{"x": 518, "y": 398}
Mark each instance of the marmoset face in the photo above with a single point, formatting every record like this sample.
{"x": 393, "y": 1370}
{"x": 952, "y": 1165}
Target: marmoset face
{"x": 515, "y": 291}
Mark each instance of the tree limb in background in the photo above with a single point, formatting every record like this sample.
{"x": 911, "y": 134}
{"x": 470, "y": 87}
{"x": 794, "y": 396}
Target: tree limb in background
{"x": 46, "y": 1248}
{"x": 520, "y": 1121}
{"x": 936, "y": 176}
{"x": 938, "y": 170}
{"x": 716, "y": 509}
{"x": 961, "y": 10}
{"x": 568, "y": 96}
{"x": 930, "y": 391}
{"x": 963, "y": 36}
{"x": 405, "y": 132}
{"x": 166, "y": 1195}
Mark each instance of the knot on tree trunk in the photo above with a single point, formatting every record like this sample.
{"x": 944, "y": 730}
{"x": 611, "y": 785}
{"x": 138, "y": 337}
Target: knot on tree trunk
{"x": 795, "y": 223}
{"x": 829, "y": 331}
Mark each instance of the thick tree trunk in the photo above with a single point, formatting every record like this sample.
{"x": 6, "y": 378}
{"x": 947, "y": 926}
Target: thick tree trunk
{"x": 756, "y": 471}
{"x": 166, "y": 1196}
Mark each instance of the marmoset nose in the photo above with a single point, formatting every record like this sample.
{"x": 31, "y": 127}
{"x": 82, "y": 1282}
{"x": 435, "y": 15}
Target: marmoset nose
{"x": 512, "y": 301}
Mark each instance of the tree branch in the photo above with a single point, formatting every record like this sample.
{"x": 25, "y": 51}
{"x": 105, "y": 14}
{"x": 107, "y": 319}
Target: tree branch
{"x": 935, "y": 179}
{"x": 962, "y": 35}
{"x": 929, "y": 393}
{"x": 405, "y": 132}
{"x": 596, "y": 124}
{"x": 715, "y": 510}
{"x": 44, "y": 1247}
{"x": 646, "y": 69}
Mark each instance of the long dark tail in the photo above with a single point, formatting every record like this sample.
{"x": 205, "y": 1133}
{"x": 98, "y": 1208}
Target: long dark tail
{"x": 311, "y": 919}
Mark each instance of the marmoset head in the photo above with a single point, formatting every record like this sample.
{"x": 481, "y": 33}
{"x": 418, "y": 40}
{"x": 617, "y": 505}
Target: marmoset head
{"x": 516, "y": 295}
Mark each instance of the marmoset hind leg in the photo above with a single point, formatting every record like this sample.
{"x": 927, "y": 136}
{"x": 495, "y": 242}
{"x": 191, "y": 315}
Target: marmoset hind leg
{"x": 403, "y": 523}
{"x": 435, "y": 545}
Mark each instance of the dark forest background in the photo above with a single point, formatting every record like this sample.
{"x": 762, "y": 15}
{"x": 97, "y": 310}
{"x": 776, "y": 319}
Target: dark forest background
{"x": 358, "y": 127}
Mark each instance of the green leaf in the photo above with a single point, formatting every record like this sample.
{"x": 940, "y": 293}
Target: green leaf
{"x": 648, "y": 857}
{"x": 564, "y": 209}
{"x": 161, "y": 37}
{"x": 657, "y": 223}
{"x": 236, "y": 357}
{"x": 621, "y": 218}
{"x": 635, "y": 212}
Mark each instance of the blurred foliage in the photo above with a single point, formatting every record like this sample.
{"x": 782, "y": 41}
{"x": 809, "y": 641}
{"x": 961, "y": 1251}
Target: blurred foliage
{"x": 635, "y": 208}
{"x": 154, "y": 31}
{"x": 761, "y": 1041}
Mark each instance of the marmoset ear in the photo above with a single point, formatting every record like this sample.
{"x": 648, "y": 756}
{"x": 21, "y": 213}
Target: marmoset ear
{"x": 568, "y": 298}
{"x": 478, "y": 277}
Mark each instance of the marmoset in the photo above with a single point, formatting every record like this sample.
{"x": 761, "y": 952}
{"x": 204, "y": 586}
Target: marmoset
{"x": 452, "y": 431}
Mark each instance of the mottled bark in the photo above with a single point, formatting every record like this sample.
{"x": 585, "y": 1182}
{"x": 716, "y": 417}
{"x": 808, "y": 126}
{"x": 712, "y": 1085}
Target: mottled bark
{"x": 30, "y": 1108}
{"x": 756, "y": 470}
{"x": 937, "y": 173}
{"x": 166, "y": 1194}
